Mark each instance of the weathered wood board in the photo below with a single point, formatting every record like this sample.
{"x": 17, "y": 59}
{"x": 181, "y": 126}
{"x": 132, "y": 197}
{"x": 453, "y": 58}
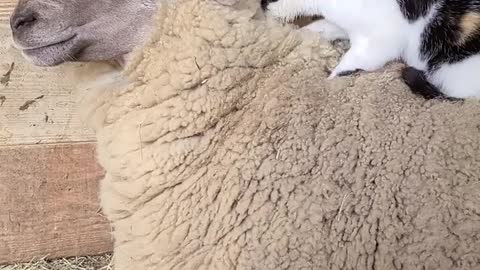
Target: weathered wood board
{"x": 49, "y": 202}
{"x": 6, "y": 7}
{"x": 36, "y": 104}
{"x": 49, "y": 179}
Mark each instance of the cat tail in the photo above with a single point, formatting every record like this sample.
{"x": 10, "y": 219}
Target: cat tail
{"x": 417, "y": 81}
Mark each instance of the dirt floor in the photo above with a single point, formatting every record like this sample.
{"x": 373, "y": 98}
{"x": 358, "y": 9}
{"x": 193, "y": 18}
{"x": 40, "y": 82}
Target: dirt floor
{"x": 78, "y": 263}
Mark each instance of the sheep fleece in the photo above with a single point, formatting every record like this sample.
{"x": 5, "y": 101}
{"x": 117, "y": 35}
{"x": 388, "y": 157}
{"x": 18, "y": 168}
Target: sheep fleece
{"x": 227, "y": 148}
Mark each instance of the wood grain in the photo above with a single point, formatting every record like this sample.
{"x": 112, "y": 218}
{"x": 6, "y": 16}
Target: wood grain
{"x": 51, "y": 119}
{"x": 49, "y": 203}
{"x": 6, "y": 7}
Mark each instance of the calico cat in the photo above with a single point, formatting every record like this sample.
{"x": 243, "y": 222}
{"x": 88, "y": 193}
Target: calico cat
{"x": 439, "y": 40}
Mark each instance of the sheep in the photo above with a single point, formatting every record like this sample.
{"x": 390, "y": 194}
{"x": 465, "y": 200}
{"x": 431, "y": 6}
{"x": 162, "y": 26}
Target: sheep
{"x": 226, "y": 147}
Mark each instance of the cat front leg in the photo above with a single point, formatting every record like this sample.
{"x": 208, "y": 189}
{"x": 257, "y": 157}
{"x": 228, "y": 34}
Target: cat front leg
{"x": 366, "y": 54}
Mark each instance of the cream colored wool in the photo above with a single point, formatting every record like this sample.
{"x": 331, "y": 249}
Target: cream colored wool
{"x": 229, "y": 149}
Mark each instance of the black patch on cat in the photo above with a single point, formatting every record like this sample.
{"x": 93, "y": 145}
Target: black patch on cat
{"x": 417, "y": 82}
{"x": 265, "y": 3}
{"x": 443, "y": 41}
{"x": 414, "y": 9}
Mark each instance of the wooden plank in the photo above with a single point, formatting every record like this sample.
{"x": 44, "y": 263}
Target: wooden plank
{"x": 6, "y": 7}
{"x": 49, "y": 203}
{"x": 37, "y": 105}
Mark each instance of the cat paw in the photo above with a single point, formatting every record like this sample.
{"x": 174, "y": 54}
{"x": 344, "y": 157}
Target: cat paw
{"x": 369, "y": 55}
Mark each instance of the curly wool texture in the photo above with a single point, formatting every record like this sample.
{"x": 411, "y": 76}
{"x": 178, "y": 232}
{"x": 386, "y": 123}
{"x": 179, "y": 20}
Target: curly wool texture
{"x": 229, "y": 149}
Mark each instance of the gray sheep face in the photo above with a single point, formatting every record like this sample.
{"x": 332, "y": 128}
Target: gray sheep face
{"x": 51, "y": 32}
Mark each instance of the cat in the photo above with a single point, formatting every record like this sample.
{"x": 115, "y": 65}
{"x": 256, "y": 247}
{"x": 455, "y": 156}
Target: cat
{"x": 439, "y": 40}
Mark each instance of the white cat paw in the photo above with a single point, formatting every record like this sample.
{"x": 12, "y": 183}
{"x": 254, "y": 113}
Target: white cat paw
{"x": 364, "y": 55}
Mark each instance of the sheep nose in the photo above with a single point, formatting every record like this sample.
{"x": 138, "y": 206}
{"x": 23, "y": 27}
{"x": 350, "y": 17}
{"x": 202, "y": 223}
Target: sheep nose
{"x": 23, "y": 19}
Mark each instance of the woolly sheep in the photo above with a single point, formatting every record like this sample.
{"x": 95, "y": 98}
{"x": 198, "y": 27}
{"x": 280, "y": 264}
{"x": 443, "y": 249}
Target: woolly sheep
{"x": 225, "y": 147}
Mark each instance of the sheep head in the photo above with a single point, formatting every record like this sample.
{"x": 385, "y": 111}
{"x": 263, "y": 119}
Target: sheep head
{"x": 51, "y": 32}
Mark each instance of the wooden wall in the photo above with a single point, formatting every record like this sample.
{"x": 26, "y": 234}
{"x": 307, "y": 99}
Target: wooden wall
{"x": 48, "y": 175}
